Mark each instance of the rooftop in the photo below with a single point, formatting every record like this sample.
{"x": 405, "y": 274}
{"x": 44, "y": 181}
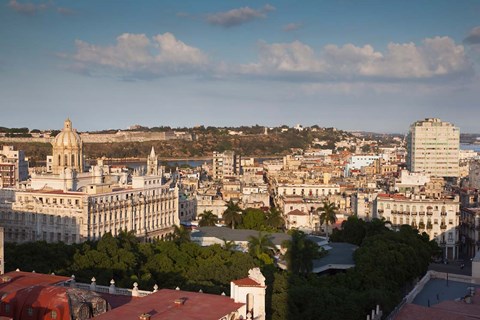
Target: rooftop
{"x": 236, "y": 234}
{"x": 340, "y": 256}
{"x": 169, "y": 304}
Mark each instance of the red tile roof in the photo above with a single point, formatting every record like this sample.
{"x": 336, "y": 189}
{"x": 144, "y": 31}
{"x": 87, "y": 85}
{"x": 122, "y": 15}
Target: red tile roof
{"x": 247, "y": 282}
{"x": 162, "y": 305}
{"x": 19, "y": 280}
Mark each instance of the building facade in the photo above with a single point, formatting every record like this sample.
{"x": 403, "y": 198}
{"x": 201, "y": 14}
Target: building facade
{"x": 433, "y": 147}
{"x": 225, "y": 164}
{"x": 439, "y": 218}
{"x": 74, "y": 217}
{"x": 13, "y": 167}
{"x": 73, "y": 206}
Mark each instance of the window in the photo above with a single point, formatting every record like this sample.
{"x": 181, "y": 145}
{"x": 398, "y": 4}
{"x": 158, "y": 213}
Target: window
{"x": 30, "y": 311}
{"x": 54, "y": 314}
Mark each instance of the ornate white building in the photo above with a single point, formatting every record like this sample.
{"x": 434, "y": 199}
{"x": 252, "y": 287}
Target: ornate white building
{"x": 438, "y": 217}
{"x": 72, "y": 206}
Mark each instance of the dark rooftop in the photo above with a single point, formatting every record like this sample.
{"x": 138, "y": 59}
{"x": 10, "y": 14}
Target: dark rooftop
{"x": 339, "y": 257}
{"x": 236, "y": 234}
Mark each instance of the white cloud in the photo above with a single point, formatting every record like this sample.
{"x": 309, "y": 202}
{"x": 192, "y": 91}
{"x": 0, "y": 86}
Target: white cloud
{"x": 473, "y": 36}
{"x": 27, "y": 8}
{"x": 136, "y": 56}
{"x": 238, "y": 16}
{"x": 434, "y": 58}
{"x": 30, "y": 8}
{"x": 291, "y": 27}
{"x": 65, "y": 11}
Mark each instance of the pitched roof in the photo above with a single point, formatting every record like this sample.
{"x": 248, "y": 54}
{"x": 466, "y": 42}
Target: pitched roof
{"x": 169, "y": 304}
{"x": 247, "y": 282}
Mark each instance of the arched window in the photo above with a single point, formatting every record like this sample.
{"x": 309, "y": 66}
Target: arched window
{"x": 73, "y": 160}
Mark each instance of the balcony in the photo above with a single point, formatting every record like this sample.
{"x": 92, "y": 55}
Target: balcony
{"x": 443, "y": 226}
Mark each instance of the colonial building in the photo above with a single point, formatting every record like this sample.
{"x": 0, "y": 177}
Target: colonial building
{"x": 30, "y": 295}
{"x": 67, "y": 150}
{"x": 438, "y": 217}
{"x": 470, "y": 231}
{"x": 72, "y": 206}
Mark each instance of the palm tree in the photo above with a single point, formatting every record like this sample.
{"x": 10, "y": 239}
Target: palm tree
{"x": 229, "y": 245}
{"x": 328, "y": 212}
{"x": 261, "y": 247}
{"x": 207, "y": 218}
{"x": 232, "y": 214}
{"x": 275, "y": 218}
{"x": 180, "y": 234}
{"x": 301, "y": 252}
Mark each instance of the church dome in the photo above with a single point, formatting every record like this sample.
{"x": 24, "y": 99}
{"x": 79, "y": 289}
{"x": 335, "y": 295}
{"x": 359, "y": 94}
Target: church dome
{"x": 67, "y": 138}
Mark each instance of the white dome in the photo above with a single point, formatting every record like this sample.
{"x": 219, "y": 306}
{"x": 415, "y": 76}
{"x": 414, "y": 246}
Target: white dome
{"x": 68, "y": 138}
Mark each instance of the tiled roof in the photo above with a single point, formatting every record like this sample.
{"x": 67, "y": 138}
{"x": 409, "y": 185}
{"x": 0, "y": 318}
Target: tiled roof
{"x": 247, "y": 282}
{"x": 169, "y": 304}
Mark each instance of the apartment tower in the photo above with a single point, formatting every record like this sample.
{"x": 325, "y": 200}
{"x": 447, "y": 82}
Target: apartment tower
{"x": 433, "y": 148}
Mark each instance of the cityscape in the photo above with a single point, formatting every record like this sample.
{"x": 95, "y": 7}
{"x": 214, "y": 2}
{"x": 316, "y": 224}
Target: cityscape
{"x": 239, "y": 160}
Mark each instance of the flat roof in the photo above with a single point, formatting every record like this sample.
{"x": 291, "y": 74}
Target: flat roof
{"x": 340, "y": 256}
{"x": 236, "y": 234}
{"x": 436, "y": 291}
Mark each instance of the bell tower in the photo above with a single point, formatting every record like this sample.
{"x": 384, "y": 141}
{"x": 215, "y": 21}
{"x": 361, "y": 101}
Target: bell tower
{"x": 152, "y": 164}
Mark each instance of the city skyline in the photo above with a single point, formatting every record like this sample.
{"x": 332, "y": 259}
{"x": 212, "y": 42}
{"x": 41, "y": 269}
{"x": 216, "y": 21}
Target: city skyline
{"x": 370, "y": 66}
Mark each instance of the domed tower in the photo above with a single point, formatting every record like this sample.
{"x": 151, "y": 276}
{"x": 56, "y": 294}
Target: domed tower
{"x": 67, "y": 150}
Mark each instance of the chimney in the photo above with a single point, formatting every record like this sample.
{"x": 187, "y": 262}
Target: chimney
{"x": 180, "y": 301}
{"x": 144, "y": 316}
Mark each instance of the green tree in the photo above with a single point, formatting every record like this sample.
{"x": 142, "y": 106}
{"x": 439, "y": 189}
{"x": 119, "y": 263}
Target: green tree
{"x": 301, "y": 252}
{"x": 262, "y": 247}
{"x": 275, "y": 218}
{"x": 180, "y": 234}
{"x": 328, "y": 212}
{"x": 232, "y": 214}
{"x": 207, "y": 218}
{"x": 254, "y": 219}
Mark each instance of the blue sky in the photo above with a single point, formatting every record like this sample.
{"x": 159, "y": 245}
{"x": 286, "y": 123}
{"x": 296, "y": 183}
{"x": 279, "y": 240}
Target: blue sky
{"x": 355, "y": 65}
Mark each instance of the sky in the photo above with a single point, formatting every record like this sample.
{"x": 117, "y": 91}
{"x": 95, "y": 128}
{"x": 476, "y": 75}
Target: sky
{"x": 354, "y": 65}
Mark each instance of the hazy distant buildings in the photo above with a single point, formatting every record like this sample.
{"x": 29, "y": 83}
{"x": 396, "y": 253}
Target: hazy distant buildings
{"x": 433, "y": 148}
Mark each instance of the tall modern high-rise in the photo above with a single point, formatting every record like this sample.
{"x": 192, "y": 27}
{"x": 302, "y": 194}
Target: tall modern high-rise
{"x": 433, "y": 148}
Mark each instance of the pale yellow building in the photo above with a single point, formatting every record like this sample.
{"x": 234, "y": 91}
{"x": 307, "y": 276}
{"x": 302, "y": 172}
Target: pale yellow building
{"x": 433, "y": 147}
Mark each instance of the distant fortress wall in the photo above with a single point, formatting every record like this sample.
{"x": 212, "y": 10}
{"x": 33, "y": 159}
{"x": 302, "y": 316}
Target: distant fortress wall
{"x": 120, "y": 136}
